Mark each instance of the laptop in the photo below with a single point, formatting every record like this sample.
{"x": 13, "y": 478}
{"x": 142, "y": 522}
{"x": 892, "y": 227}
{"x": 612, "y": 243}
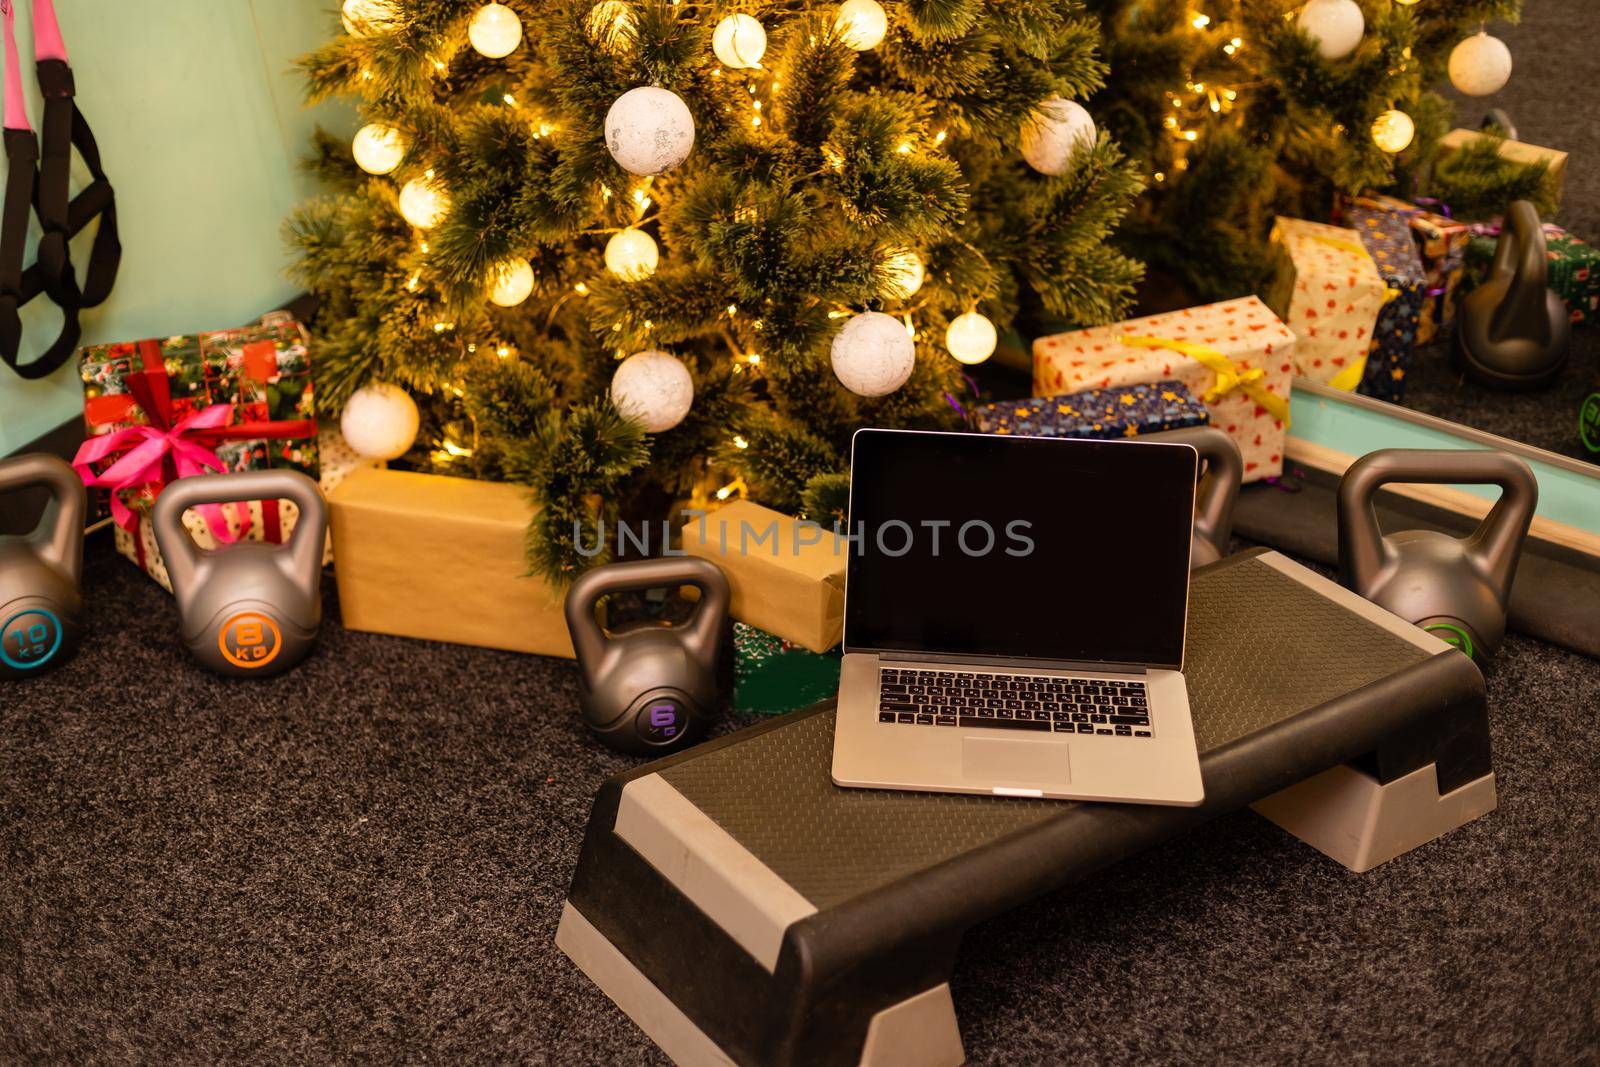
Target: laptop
{"x": 1014, "y": 618}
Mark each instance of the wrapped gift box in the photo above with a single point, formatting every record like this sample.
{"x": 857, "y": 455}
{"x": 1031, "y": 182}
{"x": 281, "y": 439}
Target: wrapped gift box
{"x": 1236, "y": 357}
{"x": 773, "y": 676}
{"x": 1573, "y": 268}
{"x": 1517, "y": 152}
{"x": 1442, "y": 243}
{"x": 1327, "y": 289}
{"x": 441, "y": 559}
{"x": 1126, "y": 411}
{"x": 1387, "y": 237}
{"x": 223, "y": 401}
{"x": 787, "y": 577}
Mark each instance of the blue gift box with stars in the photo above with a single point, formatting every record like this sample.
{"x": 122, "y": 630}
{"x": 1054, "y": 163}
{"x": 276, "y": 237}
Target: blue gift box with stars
{"x": 1387, "y": 237}
{"x": 1123, "y": 411}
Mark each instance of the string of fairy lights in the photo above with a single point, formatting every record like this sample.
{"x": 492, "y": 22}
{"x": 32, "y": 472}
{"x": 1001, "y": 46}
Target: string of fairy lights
{"x": 650, "y": 130}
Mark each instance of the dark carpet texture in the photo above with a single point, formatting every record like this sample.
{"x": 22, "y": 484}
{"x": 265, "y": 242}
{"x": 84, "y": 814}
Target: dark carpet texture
{"x": 364, "y": 860}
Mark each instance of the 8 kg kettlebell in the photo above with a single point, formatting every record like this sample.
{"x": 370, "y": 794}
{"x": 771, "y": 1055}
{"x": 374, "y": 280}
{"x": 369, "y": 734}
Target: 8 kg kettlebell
{"x": 1218, "y": 491}
{"x": 40, "y": 604}
{"x": 1456, "y": 588}
{"x": 649, "y": 688}
{"x": 1513, "y": 332}
{"x": 248, "y": 609}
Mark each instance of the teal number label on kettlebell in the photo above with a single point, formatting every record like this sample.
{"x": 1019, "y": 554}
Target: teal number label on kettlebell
{"x": 40, "y": 604}
{"x": 1589, "y": 422}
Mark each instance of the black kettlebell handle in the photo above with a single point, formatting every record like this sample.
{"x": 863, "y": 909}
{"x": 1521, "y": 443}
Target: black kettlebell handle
{"x": 1497, "y": 117}
{"x": 1496, "y": 542}
{"x": 1521, "y": 259}
{"x": 700, "y": 633}
{"x": 58, "y": 538}
{"x": 303, "y": 550}
{"x": 1219, "y": 487}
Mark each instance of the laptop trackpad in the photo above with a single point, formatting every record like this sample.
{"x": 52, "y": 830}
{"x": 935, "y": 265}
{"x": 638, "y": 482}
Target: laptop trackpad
{"x": 1026, "y": 763}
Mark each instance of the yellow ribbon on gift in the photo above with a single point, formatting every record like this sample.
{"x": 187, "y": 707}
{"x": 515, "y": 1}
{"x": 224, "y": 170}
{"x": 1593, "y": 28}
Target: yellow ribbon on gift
{"x": 1229, "y": 376}
{"x": 1353, "y": 247}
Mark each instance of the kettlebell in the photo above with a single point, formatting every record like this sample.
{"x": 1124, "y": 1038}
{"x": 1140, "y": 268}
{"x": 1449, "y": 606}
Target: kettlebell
{"x": 1455, "y": 588}
{"x": 249, "y": 609}
{"x": 1513, "y": 332}
{"x": 649, "y": 688}
{"x": 1497, "y": 119}
{"x": 1218, "y": 491}
{"x": 41, "y": 607}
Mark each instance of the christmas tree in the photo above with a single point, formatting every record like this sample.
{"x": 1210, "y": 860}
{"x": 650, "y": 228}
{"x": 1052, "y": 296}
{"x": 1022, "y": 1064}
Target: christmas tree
{"x": 1245, "y": 109}
{"x": 809, "y": 216}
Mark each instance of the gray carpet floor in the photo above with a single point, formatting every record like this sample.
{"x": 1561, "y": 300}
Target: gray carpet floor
{"x": 363, "y": 861}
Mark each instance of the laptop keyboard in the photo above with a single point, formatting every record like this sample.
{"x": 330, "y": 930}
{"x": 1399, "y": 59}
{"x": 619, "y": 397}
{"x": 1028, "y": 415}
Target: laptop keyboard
{"x": 1045, "y": 704}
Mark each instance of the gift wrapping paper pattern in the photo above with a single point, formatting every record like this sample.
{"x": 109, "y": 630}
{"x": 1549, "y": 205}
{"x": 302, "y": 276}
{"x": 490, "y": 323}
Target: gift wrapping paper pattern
{"x": 1442, "y": 243}
{"x": 773, "y": 676}
{"x": 1387, "y": 237}
{"x": 1573, "y": 268}
{"x": 1126, "y": 411}
{"x": 1327, "y": 289}
{"x": 1257, "y": 346}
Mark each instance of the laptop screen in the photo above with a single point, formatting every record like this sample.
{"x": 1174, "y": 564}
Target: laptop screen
{"x": 1019, "y": 547}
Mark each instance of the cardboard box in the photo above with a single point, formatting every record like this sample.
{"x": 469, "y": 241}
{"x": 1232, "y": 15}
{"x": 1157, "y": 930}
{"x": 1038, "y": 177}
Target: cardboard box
{"x": 1517, "y": 152}
{"x": 787, "y": 577}
{"x": 1328, "y": 291}
{"x": 1235, "y": 356}
{"x": 441, "y": 559}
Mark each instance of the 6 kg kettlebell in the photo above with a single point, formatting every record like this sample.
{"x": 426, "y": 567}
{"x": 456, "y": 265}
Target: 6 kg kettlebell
{"x": 649, "y": 688}
{"x": 1218, "y": 491}
{"x": 41, "y": 606}
{"x": 248, "y": 609}
{"x": 1456, "y": 588}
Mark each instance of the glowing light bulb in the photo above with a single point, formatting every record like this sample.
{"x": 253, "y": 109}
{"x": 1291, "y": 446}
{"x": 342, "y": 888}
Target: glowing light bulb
{"x": 378, "y": 148}
{"x": 739, "y": 41}
{"x": 423, "y": 203}
{"x": 862, "y": 24}
{"x": 495, "y": 31}
{"x": 632, "y": 255}
{"x": 363, "y": 17}
{"x": 1393, "y": 130}
{"x": 971, "y": 338}
{"x": 906, "y": 274}
{"x": 511, "y": 283}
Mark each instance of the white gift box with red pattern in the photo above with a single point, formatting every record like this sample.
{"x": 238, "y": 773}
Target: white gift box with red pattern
{"x": 1329, "y": 292}
{"x": 1236, "y": 356}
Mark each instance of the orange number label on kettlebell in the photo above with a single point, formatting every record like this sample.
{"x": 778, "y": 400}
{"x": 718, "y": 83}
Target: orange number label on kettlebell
{"x": 250, "y": 640}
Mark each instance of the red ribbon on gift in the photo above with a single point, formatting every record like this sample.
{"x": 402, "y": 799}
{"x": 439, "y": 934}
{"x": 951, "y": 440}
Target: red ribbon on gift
{"x": 165, "y": 450}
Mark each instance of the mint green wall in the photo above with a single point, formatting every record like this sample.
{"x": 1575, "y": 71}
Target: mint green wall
{"x": 200, "y": 124}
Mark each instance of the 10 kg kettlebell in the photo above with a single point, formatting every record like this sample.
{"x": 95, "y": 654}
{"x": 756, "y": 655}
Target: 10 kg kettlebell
{"x": 249, "y": 609}
{"x": 1456, "y": 588}
{"x": 1218, "y": 491}
{"x": 649, "y": 688}
{"x": 41, "y": 606}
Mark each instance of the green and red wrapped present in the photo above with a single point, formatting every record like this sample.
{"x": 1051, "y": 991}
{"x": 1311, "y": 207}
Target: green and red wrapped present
{"x": 1121, "y": 411}
{"x": 773, "y": 676}
{"x": 217, "y": 402}
{"x": 1572, "y": 269}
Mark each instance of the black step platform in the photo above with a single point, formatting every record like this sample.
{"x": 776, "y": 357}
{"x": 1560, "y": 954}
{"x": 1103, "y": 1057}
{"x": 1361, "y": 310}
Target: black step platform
{"x": 743, "y": 909}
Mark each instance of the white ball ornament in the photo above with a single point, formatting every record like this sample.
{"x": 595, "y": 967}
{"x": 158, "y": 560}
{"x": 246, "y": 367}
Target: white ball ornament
{"x": 906, "y": 274}
{"x": 380, "y": 421}
{"x": 511, "y": 283}
{"x": 971, "y": 338}
{"x": 1057, "y": 132}
{"x": 378, "y": 149}
{"x": 739, "y": 41}
{"x": 423, "y": 202}
{"x": 653, "y": 389}
{"x": 1480, "y": 65}
{"x": 1393, "y": 130}
{"x": 632, "y": 255}
{"x": 649, "y": 130}
{"x": 863, "y": 24}
{"x": 1335, "y": 25}
{"x": 873, "y": 355}
{"x": 495, "y": 31}
{"x": 364, "y": 17}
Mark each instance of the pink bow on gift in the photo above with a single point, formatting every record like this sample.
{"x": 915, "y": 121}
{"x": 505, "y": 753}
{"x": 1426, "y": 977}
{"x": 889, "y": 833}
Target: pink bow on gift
{"x": 148, "y": 452}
